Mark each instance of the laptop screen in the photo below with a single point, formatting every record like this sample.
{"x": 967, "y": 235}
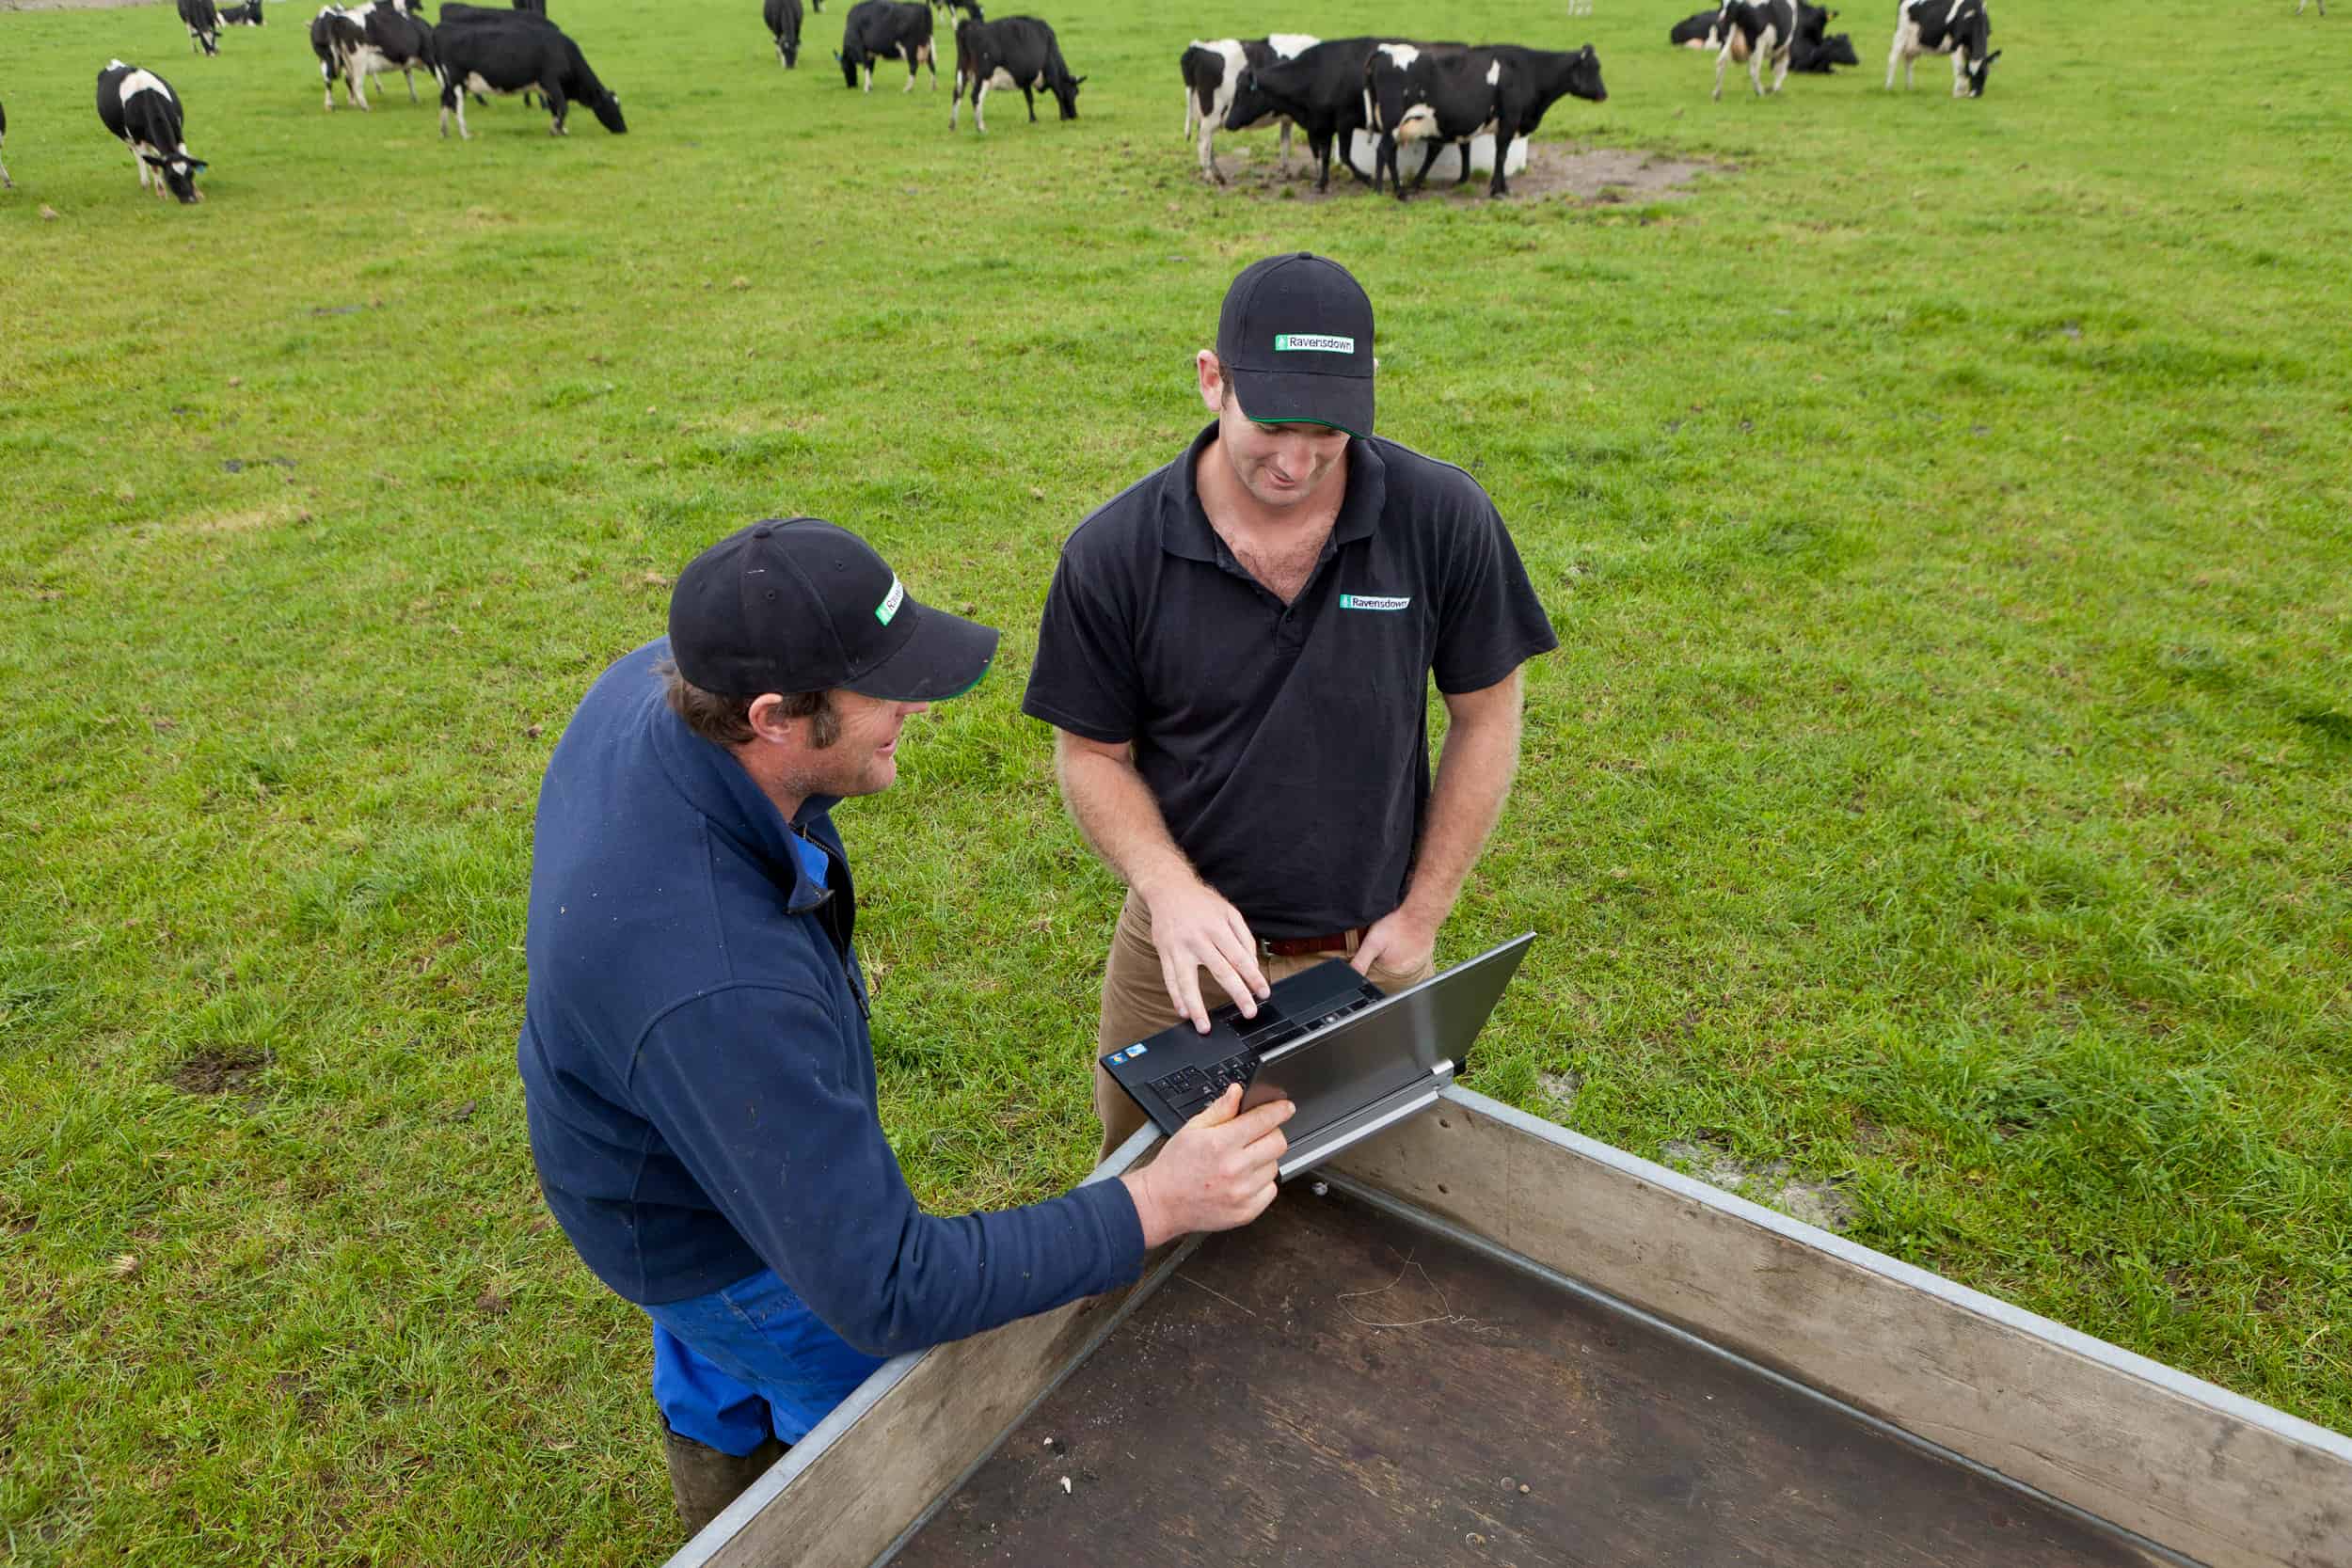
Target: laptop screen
{"x": 1337, "y": 1071}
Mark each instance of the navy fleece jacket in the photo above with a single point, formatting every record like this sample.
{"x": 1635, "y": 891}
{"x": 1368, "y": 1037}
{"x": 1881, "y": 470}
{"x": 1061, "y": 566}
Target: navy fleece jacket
{"x": 696, "y": 1066}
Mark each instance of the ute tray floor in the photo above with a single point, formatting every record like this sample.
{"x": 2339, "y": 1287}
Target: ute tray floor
{"x": 1339, "y": 1388}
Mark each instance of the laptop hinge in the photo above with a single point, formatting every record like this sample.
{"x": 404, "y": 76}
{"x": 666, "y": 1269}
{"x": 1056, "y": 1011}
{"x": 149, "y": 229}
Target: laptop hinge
{"x": 1381, "y": 1113}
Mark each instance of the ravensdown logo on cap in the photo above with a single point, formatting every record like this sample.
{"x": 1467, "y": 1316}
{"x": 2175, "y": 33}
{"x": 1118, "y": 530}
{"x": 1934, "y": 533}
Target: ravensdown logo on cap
{"x": 891, "y": 601}
{"x": 1316, "y": 343}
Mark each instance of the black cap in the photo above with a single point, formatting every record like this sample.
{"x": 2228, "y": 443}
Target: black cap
{"x": 804, "y": 606}
{"x": 1296, "y": 339}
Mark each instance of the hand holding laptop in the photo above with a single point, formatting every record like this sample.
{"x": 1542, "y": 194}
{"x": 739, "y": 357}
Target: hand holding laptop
{"x": 1216, "y": 1173}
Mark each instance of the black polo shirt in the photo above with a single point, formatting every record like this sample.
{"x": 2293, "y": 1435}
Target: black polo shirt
{"x": 1287, "y": 744}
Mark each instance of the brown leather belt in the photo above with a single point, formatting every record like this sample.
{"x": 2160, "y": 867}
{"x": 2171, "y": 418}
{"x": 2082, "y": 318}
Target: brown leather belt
{"x": 1299, "y": 947}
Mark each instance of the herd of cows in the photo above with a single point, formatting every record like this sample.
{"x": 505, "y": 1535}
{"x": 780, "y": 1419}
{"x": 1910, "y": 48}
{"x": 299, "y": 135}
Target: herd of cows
{"x": 1365, "y": 98}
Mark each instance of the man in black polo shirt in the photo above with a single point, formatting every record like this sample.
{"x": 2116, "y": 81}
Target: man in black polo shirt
{"x": 1236, "y": 654}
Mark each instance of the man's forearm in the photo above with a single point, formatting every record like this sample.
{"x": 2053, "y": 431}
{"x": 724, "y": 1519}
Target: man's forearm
{"x": 1114, "y": 809}
{"x": 1474, "y": 773}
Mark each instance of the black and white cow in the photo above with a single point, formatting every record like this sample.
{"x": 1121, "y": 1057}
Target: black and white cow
{"x": 365, "y": 41}
{"x": 458, "y": 14}
{"x": 247, "y": 15}
{"x": 783, "y": 20}
{"x": 1439, "y": 94}
{"x": 204, "y": 19}
{"x": 1956, "y": 27}
{"x": 1815, "y": 49}
{"x": 329, "y": 31}
{"x": 2322, "y": 8}
{"x": 1764, "y": 31}
{"x": 522, "y": 55}
{"x": 140, "y": 107}
{"x": 969, "y": 7}
{"x": 1016, "y": 52}
{"x": 887, "y": 30}
{"x": 1322, "y": 88}
{"x": 1213, "y": 70}
{"x": 6, "y": 184}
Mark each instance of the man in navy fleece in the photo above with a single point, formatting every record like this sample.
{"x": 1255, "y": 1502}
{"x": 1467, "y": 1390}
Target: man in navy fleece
{"x": 695, "y": 1055}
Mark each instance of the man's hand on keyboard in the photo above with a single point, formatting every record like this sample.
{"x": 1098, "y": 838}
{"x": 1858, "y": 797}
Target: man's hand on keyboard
{"x": 1217, "y": 1172}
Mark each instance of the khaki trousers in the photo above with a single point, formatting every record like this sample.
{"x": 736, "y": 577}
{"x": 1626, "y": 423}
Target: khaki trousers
{"x": 1136, "y": 1006}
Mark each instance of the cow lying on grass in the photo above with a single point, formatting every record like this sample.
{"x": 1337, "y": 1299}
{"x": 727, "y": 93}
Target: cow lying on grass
{"x": 1813, "y": 50}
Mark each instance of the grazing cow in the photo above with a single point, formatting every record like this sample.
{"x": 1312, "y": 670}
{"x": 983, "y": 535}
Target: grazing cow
{"x": 784, "y": 21}
{"x": 523, "y": 55}
{"x": 887, "y": 29}
{"x": 1439, "y": 95}
{"x": 140, "y": 107}
{"x": 1956, "y": 27}
{"x": 1212, "y": 71}
{"x": 1767, "y": 28}
{"x": 948, "y": 8}
{"x": 1018, "y": 51}
{"x": 204, "y": 19}
{"x": 1322, "y": 88}
{"x": 247, "y": 15}
{"x": 6, "y": 184}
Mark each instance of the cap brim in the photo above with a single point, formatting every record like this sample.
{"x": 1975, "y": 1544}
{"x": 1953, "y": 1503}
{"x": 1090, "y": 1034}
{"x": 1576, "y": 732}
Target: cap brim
{"x": 1296, "y": 397}
{"x": 946, "y": 657}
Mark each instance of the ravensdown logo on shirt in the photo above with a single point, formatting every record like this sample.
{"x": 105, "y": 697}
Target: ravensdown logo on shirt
{"x": 1375, "y": 601}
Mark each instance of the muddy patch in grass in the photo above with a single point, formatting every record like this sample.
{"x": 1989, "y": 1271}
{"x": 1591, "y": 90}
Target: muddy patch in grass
{"x": 219, "y": 1070}
{"x": 1816, "y": 1203}
{"x": 1588, "y": 176}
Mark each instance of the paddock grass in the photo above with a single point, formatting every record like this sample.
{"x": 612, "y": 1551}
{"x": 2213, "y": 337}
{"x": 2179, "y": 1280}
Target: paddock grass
{"x": 1943, "y": 784}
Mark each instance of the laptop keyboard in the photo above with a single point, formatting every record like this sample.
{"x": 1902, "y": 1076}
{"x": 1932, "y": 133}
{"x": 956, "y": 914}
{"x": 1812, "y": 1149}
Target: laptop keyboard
{"x": 1188, "y": 1090}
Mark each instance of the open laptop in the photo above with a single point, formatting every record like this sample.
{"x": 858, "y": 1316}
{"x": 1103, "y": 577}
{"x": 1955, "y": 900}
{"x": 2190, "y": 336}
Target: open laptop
{"x": 1352, "y": 1060}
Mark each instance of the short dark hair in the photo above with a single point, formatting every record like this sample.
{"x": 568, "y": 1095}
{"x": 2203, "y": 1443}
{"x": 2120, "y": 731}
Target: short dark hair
{"x": 727, "y": 720}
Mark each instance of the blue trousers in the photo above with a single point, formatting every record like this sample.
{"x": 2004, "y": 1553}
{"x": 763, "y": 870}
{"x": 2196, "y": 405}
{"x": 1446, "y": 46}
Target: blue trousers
{"x": 746, "y": 1360}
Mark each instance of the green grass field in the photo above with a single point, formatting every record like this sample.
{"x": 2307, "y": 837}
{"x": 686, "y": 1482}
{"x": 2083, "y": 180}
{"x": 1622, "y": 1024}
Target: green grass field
{"x": 1943, "y": 784}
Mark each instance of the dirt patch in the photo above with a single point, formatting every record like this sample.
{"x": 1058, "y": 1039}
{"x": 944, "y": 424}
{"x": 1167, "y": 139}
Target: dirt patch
{"x": 1816, "y": 1203}
{"x": 1589, "y": 176}
{"x": 242, "y": 522}
{"x": 218, "y": 1070}
{"x": 1561, "y": 1088}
